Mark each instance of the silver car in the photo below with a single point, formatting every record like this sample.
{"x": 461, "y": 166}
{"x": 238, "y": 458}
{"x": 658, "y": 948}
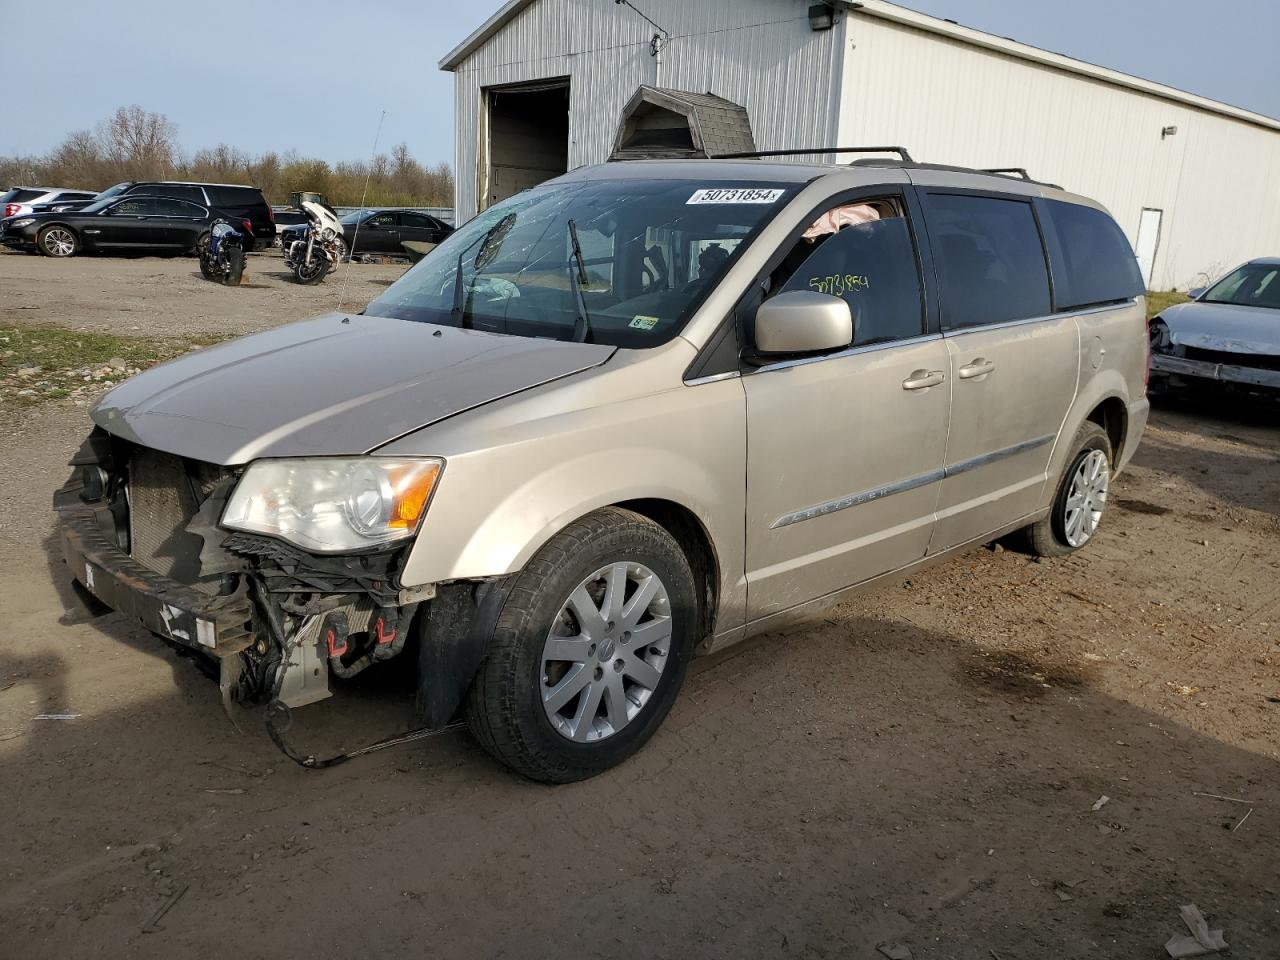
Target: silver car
{"x": 629, "y": 416}
{"x": 1229, "y": 333}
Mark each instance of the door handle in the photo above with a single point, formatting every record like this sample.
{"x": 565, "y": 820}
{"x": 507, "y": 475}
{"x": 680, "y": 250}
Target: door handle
{"x": 923, "y": 379}
{"x": 976, "y": 368}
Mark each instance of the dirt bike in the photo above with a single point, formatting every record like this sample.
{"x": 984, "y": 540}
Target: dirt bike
{"x": 322, "y": 247}
{"x": 222, "y": 255}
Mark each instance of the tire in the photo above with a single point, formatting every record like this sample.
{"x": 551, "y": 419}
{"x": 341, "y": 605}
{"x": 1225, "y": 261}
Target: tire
{"x": 58, "y": 241}
{"x": 319, "y": 267}
{"x": 235, "y": 266}
{"x": 206, "y": 270}
{"x": 520, "y": 706}
{"x": 201, "y": 249}
{"x": 1060, "y": 533}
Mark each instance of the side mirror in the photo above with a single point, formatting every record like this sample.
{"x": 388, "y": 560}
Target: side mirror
{"x": 1195, "y": 293}
{"x": 802, "y": 321}
{"x": 370, "y": 225}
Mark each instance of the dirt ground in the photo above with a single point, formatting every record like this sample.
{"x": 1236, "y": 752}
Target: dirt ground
{"x": 919, "y": 767}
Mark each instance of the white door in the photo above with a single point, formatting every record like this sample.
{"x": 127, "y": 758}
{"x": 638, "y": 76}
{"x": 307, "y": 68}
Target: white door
{"x": 1148, "y": 242}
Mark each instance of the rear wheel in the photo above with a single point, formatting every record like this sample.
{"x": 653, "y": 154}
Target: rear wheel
{"x": 1081, "y": 499}
{"x": 235, "y": 266}
{"x": 589, "y": 651}
{"x": 57, "y": 241}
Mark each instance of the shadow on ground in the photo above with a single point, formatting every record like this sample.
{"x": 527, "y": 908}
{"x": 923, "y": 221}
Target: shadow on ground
{"x": 856, "y": 782}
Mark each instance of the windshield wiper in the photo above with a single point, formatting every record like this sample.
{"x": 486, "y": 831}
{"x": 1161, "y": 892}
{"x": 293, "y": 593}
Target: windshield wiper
{"x": 458, "y": 314}
{"x": 578, "y": 280}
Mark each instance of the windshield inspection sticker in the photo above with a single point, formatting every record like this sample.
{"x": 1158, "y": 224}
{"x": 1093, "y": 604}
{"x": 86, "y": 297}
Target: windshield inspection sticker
{"x": 641, "y": 322}
{"x": 734, "y": 195}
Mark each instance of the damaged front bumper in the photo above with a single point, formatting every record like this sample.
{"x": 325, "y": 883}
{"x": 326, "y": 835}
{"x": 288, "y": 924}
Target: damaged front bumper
{"x": 280, "y": 624}
{"x": 220, "y": 626}
{"x": 1209, "y": 370}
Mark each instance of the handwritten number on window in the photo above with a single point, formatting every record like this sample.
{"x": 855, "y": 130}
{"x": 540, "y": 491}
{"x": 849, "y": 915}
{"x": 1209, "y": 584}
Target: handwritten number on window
{"x": 840, "y": 284}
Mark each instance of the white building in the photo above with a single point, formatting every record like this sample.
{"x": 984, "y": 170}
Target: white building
{"x": 540, "y": 86}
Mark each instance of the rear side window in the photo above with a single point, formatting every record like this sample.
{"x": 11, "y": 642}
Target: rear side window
{"x": 179, "y": 191}
{"x": 989, "y": 259}
{"x": 234, "y": 196}
{"x": 18, "y": 195}
{"x": 1097, "y": 264}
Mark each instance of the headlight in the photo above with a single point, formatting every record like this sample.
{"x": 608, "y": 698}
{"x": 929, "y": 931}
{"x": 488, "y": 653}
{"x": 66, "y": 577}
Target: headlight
{"x": 334, "y": 504}
{"x": 24, "y": 222}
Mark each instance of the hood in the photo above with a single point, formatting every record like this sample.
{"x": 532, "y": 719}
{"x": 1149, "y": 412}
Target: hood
{"x": 336, "y": 385}
{"x": 1224, "y": 326}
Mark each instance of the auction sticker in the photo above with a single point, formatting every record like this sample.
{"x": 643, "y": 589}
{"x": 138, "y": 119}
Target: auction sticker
{"x": 734, "y": 195}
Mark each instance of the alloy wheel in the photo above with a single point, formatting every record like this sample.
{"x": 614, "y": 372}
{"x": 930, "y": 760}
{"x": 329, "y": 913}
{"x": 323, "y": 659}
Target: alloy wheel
{"x": 1086, "y": 498}
{"x": 59, "y": 242}
{"x": 606, "y": 651}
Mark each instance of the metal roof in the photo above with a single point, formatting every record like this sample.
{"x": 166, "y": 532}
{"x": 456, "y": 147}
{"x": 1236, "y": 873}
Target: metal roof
{"x": 945, "y": 28}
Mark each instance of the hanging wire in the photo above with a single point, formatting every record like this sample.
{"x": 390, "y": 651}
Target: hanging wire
{"x": 355, "y": 236}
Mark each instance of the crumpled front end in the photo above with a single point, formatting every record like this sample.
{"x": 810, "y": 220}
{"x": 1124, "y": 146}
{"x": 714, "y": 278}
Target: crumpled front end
{"x": 139, "y": 532}
{"x": 1194, "y": 340}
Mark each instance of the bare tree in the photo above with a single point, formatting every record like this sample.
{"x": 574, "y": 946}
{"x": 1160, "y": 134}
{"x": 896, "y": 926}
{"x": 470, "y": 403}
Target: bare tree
{"x": 142, "y": 144}
{"x": 134, "y": 144}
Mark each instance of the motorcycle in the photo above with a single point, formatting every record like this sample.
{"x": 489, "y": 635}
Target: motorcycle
{"x": 222, "y": 256}
{"x": 322, "y": 247}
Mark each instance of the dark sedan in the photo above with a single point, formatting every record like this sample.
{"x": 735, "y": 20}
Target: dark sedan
{"x": 130, "y": 224}
{"x": 381, "y": 231}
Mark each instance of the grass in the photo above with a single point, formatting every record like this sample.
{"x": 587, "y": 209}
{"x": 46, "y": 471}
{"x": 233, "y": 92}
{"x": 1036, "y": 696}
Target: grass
{"x": 39, "y": 363}
{"x": 1157, "y": 301}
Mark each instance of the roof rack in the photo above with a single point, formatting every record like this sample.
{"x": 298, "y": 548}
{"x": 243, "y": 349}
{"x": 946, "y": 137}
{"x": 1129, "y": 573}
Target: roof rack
{"x": 1020, "y": 172}
{"x": 823, "y": 151}
{"x": 1008, "y": 172}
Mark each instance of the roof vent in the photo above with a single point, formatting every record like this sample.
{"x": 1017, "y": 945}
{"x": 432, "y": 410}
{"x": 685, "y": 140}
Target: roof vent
{"x": 661, "y": 123}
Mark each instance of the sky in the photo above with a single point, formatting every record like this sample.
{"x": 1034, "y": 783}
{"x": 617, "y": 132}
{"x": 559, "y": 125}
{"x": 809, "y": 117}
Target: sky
{"x": 315, "y": 77}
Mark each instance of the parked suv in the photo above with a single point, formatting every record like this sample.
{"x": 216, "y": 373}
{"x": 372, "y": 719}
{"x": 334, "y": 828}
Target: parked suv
{"x": 637, "y": 413}
{"x": 20, "y": 200}
{"x": 236, "y": 201}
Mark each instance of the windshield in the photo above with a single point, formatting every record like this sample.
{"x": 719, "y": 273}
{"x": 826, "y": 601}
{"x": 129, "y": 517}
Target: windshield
{"x": 350, "y": 218}
{"x": 651, "y": 250}
{"x": 1253, "y": 285}
{"x": 115, "y": 191}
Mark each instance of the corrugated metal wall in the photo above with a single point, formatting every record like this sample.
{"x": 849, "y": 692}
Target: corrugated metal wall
{"x": 760, "y": 53}
{"x": 1217, "y": 180}
{"x": 871, "y": 80}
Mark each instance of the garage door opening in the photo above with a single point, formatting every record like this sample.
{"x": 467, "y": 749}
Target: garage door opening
{"x": 528, "y": 136}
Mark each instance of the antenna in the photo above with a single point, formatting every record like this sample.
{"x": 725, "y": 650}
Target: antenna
{"x": 355, "y": 236}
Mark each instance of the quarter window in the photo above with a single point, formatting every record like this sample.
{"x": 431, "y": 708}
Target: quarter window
{"x": 1097, "y": 264}
{"x": 989, "y": 260}
{"x": 863, "y": 253}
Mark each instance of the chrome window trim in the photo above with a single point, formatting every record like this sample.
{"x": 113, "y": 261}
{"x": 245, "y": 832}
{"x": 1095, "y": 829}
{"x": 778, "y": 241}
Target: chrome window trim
{"x": 850, "y": 352}
{"x": 712, "y": 378}
{"x": 1064, "y": 315}
{"x": 911, "y": 483}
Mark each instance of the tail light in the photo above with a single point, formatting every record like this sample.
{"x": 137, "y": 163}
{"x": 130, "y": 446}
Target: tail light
{"x": 271, "y": 214}
{"x": 247, "y": 226}
{"x": 12, "y": 209}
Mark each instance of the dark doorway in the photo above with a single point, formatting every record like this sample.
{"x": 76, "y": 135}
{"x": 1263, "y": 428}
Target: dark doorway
{"x": 528, "y": 136}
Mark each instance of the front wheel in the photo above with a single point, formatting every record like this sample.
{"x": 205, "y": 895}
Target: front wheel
{"x": 313, "y": 273}
{"x": 1081, "y": 497}
{"x": 57, "y": 241}
{"x": 589, "y": 651}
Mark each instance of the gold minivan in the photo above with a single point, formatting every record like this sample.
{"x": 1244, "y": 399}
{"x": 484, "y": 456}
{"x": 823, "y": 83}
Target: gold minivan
{"x": 635, "y": 414}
